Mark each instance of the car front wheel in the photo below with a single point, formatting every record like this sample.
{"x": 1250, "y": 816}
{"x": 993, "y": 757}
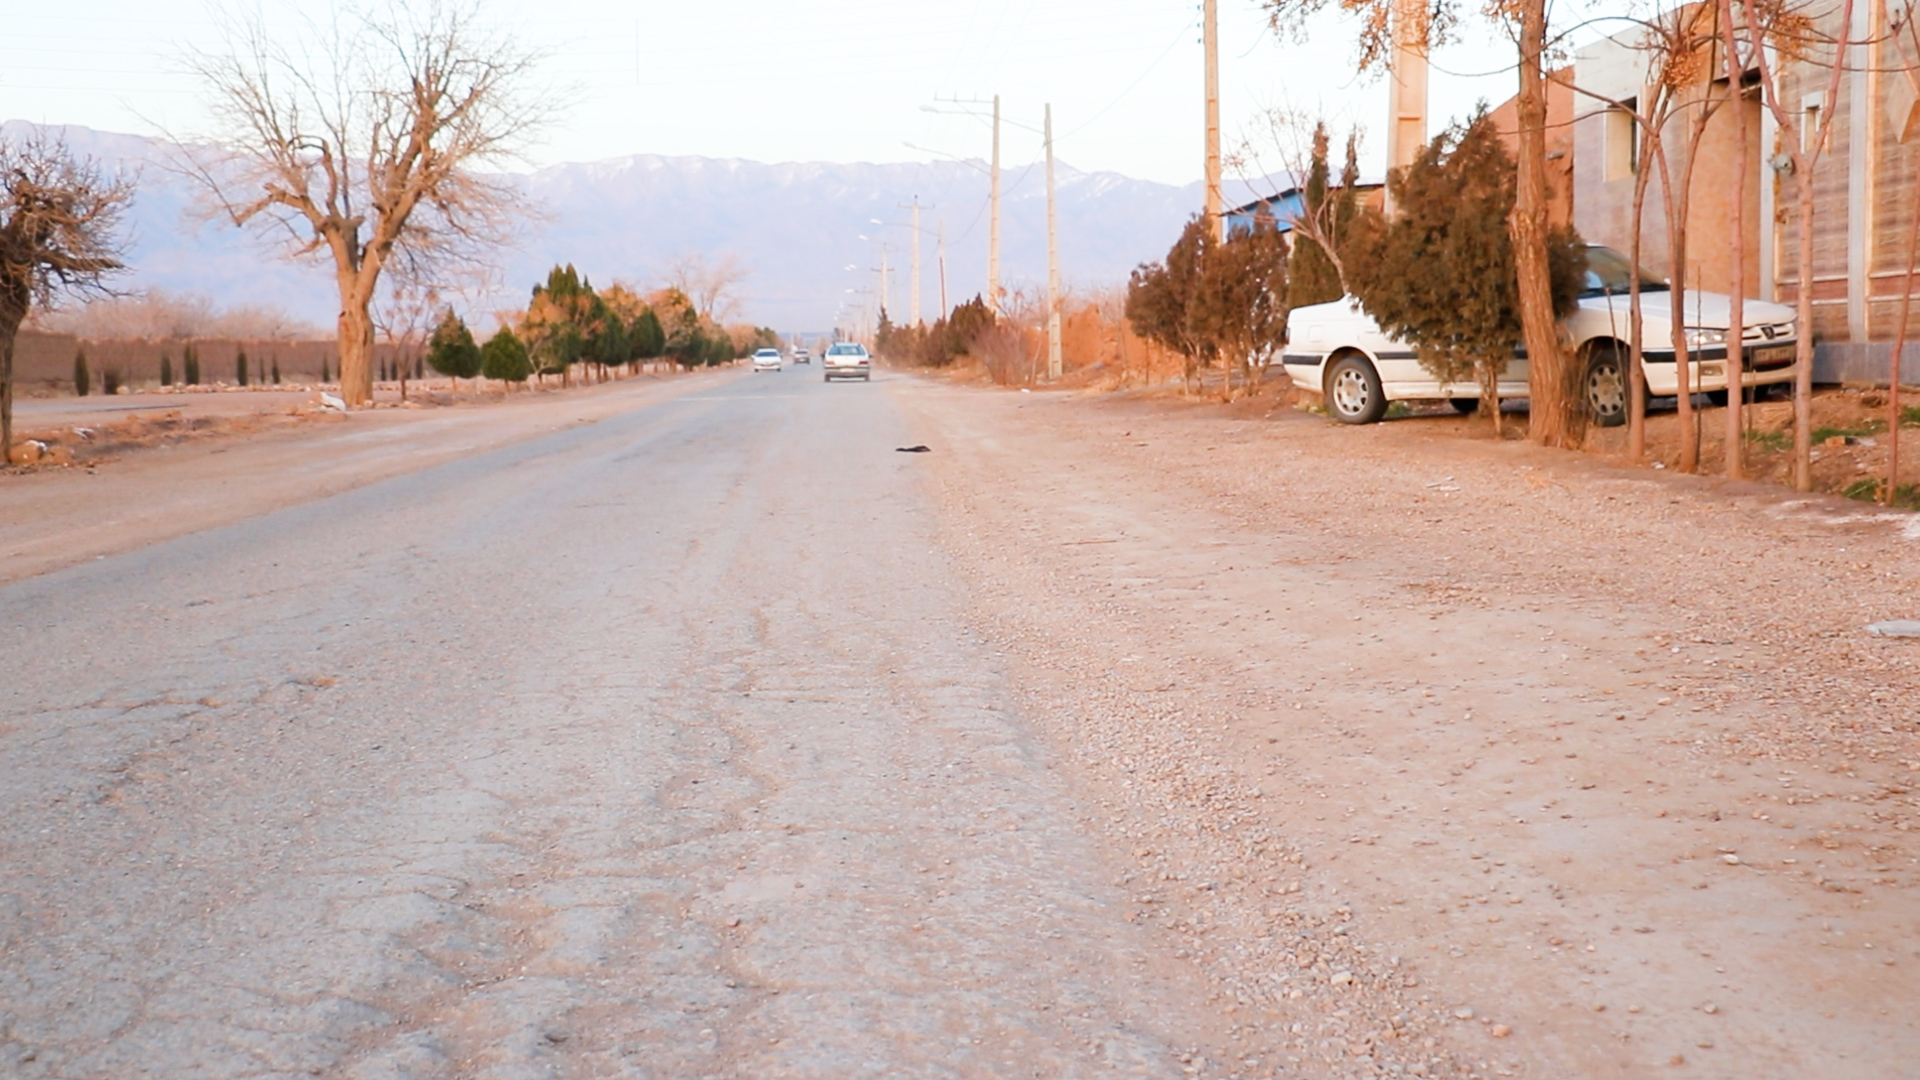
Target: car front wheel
{"x": 1353, "y": 391}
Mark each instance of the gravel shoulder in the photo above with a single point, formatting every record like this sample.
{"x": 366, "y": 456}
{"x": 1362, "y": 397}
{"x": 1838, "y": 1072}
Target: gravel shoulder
{"x": 1440, "y": 756}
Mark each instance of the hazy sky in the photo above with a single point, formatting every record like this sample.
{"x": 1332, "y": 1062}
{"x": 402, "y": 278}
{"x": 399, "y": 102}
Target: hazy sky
{"x": 773, "y": 80}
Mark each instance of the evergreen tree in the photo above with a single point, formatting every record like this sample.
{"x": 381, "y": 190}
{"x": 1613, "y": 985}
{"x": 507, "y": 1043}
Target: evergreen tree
{"x": 1440, "y": 275}
{"x": 276, "y": 371}
{"x": 1239, "y": 305}
{"x": 110, "y": 381}
{"x": 1160, "y": 297}
{"x": 82, "y": 381}
{"x": 504, "y": 357}
{"x": 451, "y": 351}
{"x": 240, "y": 368}
{"x": 323, "y": 367}
{"x": 190, "y": 361}
{"x": 166, "y": 370}
{"x": 646, "y": 338}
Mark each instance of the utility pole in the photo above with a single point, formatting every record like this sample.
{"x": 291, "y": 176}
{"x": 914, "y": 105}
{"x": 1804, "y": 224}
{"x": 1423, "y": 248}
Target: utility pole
{"x": 1406, "y": 86}
{"x": 884, "y": 294}
{"x": 1053, "y": 262}
{"x": 1216, "y": 205}
{"x": 993, "y": 223}
{"x": 913, "y": 299}
{"x": 942, "y": 250}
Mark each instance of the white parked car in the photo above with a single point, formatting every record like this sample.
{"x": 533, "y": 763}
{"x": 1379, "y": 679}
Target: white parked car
{"x": 1337, "y": 350}
{"x": 766, "y": 360}
{"x": 847, "y": 360}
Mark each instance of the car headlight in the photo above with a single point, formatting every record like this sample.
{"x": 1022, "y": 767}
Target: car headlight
{"x": 1698, "y": 337}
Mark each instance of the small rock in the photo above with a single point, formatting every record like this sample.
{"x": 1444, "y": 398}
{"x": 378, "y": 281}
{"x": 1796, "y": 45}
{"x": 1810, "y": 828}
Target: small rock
{"x": 1709, "y": 1008}
{"x": 1895, "y": 628}
{"x": 1500, "y": 1031}
{"x": 1730, "y": 859}
{"x": 1463, "y": 1013}
{"x": 1342, "y": 978}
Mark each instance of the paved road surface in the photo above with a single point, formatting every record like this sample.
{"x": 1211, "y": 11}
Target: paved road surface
{"x": 654, "y": 747}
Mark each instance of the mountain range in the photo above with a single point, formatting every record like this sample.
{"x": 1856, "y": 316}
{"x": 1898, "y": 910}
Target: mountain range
{"x": 809, "y": 234}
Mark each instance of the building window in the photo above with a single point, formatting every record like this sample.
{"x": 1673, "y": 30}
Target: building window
{"x": 1622, "y": 141}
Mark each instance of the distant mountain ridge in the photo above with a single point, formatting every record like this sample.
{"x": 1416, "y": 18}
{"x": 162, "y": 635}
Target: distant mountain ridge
{"x": 798, "y": 226}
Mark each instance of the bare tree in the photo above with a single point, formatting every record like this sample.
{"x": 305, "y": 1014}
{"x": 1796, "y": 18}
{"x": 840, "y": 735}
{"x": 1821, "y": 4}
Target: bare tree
{"x": 405, "y": 316}
{"x": 362, "y": 141}
{"x": 59, "y": 232}
{"x": 1792, "y": 34}
{"x": 158, "y": 315}
{"x": 710, "y": 284}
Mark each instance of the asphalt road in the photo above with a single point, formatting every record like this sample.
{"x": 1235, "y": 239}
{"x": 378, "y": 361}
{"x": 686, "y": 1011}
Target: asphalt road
{"x": 655, "y": 747}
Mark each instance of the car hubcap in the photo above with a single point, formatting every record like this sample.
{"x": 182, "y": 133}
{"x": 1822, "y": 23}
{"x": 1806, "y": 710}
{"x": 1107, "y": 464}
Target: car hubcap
{"x": 1606, "y": 390}
{"x": 1350, "y": 392}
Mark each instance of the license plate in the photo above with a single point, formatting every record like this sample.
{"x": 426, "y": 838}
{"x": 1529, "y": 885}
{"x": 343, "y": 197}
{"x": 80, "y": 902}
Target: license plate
{"x": 1773, "y": 354}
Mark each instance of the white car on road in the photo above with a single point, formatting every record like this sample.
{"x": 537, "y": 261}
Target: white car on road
{"x": 802, "y": 356}
{"x": 847, "y": 360}
{"x": 766, "y": 360}
{"x": 1337, "y": 350}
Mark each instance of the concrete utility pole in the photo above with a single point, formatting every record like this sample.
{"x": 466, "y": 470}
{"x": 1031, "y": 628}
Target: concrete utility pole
{"x": 1053, "y": 262}
{"x": 885, "y": 295}
{"x": 913, "y": 299}
{"x": 1407, "y": 86}
{"x": 993, "y": 223}
{"x": 942, "y": 252}
{"x": 1216, "y": 205}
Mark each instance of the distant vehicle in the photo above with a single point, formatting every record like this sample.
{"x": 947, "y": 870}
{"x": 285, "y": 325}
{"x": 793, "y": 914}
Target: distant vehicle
{"x": 766, "y": 360}
{"x": 847, "y": 360}
{"x": 801, "y": 356}
{"x": 1338, "y": 351}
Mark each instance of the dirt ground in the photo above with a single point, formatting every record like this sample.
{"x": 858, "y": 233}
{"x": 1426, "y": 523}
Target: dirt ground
{"x": 1444, "y": 756}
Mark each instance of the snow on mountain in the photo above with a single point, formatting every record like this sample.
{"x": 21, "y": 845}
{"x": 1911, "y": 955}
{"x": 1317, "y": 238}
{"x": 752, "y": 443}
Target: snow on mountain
{"x": 798, "y": 227}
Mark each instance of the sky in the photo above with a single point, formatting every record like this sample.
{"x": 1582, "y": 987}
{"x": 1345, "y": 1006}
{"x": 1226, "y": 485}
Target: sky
{"x": 836, "y": 80}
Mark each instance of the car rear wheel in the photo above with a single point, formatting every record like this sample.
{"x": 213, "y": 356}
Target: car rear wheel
{"x": 1606, "y": 387}
{"x": 1353, "y": 391}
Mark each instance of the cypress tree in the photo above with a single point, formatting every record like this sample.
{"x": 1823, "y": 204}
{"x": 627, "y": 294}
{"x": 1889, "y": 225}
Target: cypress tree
{"x": 110, "y": 381}
{"x": 166, "y": 370}
{"x": 240, "y": 368}
{"x": 276, "y": 371}
{"x": 1310, "y": 272}
{"x": 323, "y": 367}
{"x": 82, "y": 381}
{"x": 190, "y": 360}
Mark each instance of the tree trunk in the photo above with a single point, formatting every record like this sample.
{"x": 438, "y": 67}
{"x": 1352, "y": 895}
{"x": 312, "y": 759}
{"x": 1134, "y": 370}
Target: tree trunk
{"x": 356, "y": 355}
{"x": 1636, "y": 376}
{"x": 13, "y": 311}
{"x": 1554, "y": 414}
{"x": 1894, "y": 358}
{"x": 1803, "y": 352}
{"x": 1735, "y": 430}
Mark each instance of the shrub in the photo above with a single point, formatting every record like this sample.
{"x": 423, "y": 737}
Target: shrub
{"x": 190, "y": 361}
{"x": 82, "y": 381}
{"x": 110, "y": 381}
{"x": 504, "y": 357}
{"x": 451, "y": 350}
{"x": 276, "y": 371}
{"x": 240, "y": 368}
{"x": 166, "y": 370}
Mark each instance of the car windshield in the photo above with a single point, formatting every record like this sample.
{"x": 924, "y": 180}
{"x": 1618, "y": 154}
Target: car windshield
{"x": 768, "y": 352}
{"x": 845, "y": 350}
{"x": 1609, "y": 273}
